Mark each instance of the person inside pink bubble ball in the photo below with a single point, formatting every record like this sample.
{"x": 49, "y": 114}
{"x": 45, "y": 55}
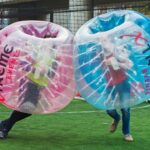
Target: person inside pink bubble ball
{"x": 47, "y": 75}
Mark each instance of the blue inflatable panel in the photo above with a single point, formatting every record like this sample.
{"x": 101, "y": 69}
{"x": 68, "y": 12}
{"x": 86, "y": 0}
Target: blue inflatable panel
{"x": 112, "y": 60}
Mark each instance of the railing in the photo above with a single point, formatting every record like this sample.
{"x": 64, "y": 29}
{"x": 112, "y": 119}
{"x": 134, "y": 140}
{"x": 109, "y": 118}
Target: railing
{"x": 76, "y": 12}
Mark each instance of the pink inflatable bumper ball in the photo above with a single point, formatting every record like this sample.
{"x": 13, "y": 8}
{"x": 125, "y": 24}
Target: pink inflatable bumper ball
{"x": 36, "y": 67}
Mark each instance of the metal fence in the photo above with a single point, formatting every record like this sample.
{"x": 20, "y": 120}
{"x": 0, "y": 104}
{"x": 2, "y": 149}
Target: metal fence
{"x": 72, "y": 15}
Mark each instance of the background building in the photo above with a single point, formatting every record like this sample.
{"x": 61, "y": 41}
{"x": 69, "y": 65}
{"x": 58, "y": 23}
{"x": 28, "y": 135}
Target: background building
{"x": 68, "y": 13}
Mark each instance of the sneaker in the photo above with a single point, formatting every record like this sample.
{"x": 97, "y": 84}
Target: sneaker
{"x": 27, "y": 107}
{"x": 114, "y": 126}
{"x": 3, "y": 131}
{"x": 128, "y": 137}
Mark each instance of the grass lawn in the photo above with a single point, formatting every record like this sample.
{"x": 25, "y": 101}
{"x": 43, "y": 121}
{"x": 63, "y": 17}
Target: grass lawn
{"x": 77, "y": 127}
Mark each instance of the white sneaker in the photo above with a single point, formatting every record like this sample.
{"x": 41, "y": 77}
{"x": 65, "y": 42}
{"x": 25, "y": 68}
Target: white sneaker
{"x": 128, "y": 137}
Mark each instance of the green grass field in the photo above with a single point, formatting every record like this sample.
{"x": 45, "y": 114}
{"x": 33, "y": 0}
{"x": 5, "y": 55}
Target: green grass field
{"x": 77, "y": 127}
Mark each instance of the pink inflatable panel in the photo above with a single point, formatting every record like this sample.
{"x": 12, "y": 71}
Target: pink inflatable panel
{"x": 36, "y": 67}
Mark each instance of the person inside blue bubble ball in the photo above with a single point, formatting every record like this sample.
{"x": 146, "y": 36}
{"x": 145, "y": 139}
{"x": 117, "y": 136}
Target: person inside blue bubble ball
{"x": 117, "y": 80}
{"x": 112, "y": 61}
